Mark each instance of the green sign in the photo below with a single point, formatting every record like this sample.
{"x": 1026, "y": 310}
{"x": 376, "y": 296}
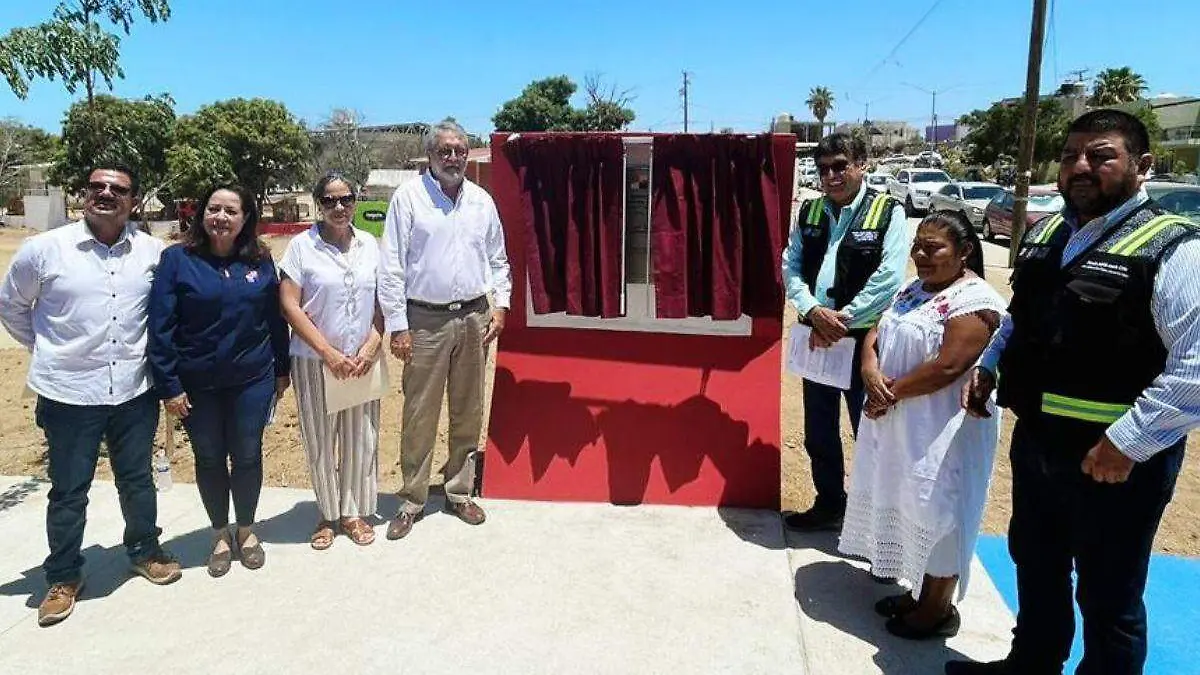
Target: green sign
{"x": 369, "y": 216}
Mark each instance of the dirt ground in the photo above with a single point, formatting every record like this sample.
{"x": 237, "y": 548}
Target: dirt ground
{"x": 284, "y": 464}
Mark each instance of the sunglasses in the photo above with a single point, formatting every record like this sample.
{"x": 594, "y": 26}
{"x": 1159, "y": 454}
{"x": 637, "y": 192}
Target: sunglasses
{"x": 98, "y": 187}
{"x": 837, "y": 168}
{"x": 447, "y": 153}
{"x": 329, "y": 202}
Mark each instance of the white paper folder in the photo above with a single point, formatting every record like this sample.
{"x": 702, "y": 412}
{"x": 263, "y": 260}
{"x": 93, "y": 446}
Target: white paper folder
{"x": 343, "y": 394}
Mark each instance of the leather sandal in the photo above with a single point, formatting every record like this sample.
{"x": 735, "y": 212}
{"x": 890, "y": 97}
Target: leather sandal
{"x": 895, "y": 605}
{"x": 322, "y": 537}
{"x": 946, "y": 627}
{"x": 219, "y": 563}
{"x": 252, "y": 557}
{"x": 358, "y": 531}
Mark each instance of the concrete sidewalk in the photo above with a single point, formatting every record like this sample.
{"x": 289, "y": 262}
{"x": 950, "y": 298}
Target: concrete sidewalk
{"x": 540, "y": 588}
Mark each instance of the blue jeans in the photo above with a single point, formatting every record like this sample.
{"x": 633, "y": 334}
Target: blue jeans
{"x": 226, "y": 428}
{"x": 73, "y": 433}
{"x": 1063, "y": 521}
{"x": 823, "y": 432}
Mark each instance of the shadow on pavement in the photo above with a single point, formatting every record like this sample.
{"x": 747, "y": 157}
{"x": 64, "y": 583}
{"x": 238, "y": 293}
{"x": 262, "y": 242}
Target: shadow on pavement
{"x": 841, "y": 595}
{"x": 14, "y": 495}
{"x": 761, "y": 528}
{"x": 105, "y": 569}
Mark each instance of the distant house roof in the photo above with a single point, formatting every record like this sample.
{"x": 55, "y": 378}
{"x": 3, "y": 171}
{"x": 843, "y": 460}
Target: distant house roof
{"x": 391, "y": 178}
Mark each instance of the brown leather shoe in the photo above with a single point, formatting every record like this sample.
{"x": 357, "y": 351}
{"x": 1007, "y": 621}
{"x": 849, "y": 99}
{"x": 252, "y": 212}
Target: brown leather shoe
{"x": 59, "y": 603}
{"x": 402, "y": 524}
{"x": 160, "y": 569}
{"x": 469, "y": 512}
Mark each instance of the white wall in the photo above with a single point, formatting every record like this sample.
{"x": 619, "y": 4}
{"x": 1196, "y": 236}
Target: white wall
{"x": 45, "y": 212}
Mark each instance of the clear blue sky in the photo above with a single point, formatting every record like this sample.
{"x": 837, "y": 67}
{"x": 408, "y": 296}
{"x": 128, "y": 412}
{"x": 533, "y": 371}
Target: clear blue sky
{"x": 402, "y": 61}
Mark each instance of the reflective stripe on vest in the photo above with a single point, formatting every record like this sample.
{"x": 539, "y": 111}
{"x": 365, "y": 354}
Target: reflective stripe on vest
{"x": 814, "y": 211}
{"x": 1080, "y": 409}
{"x": 1052, "y": 226}
{"x": 876, "y": 213}
{"x": 1131, "y": 242}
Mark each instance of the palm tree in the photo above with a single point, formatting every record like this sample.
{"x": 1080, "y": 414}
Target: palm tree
{"x": 820, "y": 102}
{"x": 1117, "y": 85}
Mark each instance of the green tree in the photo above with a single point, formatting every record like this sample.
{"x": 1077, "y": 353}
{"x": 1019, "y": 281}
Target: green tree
{"x": 545, "y": 105}
{"x": 133, "y": 132}
{"x": 73, "y": 46}
{"x": 1117, "y": 85}
{"x": 997, "y": 131}
{"x": 256, "y": 142}
{"x": 820, "y": 102}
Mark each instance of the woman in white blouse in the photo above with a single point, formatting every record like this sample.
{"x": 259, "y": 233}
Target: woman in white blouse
{"x": 328, "y": 297}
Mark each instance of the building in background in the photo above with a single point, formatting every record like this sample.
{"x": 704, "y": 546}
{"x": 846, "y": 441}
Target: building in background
{"x": 33, "y": 201}
{"x": 1179, "y": 119}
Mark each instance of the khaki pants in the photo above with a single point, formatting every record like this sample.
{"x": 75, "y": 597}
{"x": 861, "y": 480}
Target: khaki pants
{"x": 448, "y": 357}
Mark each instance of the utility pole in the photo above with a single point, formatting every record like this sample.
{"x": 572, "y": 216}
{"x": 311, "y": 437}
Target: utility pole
{"x": 867, "y": 129}
{"x": 933, "y": 112}
{"x": 1028, "y": 129}
{"x": 684, "y": 92}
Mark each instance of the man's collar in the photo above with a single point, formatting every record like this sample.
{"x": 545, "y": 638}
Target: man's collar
{"x": 433, "y": 183}
{"x": 83, "y": 233}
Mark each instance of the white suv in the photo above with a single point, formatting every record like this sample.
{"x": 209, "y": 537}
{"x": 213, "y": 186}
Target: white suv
{"x": 912, "y": 187}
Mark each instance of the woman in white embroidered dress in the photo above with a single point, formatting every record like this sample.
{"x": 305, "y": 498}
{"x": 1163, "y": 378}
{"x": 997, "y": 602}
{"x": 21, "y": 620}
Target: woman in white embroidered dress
{"x": 921, "y": 465}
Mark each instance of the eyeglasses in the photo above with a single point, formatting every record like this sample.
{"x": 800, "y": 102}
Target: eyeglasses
{"x": 447, "y": 153}
{"x": 837, "y": 168}
{"x": 98, "y": 187}
{"x": 328, "y": 201}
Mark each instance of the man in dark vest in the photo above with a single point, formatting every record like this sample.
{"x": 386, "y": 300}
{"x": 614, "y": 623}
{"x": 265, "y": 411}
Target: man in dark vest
{"x": 1098, "y": 360}
{"x": 844, "y": 262}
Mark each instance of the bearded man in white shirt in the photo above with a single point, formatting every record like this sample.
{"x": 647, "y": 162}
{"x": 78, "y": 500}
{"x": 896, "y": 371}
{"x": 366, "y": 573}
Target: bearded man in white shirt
{"x": 441, "y": 256}
{"x": 77, "y": 297}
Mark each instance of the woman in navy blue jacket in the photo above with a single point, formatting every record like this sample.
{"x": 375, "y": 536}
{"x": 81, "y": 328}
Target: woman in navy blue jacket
{"x": 218, "y": 351}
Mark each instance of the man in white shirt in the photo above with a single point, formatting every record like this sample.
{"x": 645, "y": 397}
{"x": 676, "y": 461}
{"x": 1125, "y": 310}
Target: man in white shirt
{"x": 76, "y": 297}
{"x": 442, "y": 254}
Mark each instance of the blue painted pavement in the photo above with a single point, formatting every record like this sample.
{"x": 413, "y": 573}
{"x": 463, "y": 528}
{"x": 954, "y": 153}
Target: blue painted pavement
{"x": 1172, "y": 603}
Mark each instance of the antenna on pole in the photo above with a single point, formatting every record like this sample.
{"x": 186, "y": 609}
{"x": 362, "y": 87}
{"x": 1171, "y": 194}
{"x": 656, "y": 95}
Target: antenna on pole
{"x": 684, "y": 92}
{"x": 1079, "y": 74}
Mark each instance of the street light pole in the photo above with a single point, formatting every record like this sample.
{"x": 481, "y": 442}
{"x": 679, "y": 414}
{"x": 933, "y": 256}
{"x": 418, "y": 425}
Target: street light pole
{"x": 1028, "y": 129}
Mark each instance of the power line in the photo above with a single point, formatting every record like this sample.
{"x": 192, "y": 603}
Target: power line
{"x": 900, "y": 44}
{"x": 1052, "y": 35}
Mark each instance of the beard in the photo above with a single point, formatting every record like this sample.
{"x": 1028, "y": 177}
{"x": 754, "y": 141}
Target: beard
{"x": 447, "y": 175}
{"x": 1099, "y": 200}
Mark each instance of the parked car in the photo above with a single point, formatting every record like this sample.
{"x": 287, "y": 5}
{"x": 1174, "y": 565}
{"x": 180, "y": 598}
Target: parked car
{"x": 806, "y": 176}
{"x": 967, "y": 198}
{"x": 928, "y": 159}
{"x": 1178, "y": 198}
{"x": 877, "y": 181}
{"x": 912, "y": 187}
{"x": 997, "y": 216}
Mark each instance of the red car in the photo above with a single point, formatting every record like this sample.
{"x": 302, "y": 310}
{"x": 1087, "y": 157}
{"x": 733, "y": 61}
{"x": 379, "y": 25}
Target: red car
{"x": 997, "y": 216}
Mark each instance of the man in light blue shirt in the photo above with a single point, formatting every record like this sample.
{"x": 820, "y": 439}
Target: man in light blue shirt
{"x": 844, "y": 263}
{"x": 1101, "y": 361}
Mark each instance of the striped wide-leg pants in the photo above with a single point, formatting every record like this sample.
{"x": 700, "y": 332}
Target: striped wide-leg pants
{"x": 342, "y": 448}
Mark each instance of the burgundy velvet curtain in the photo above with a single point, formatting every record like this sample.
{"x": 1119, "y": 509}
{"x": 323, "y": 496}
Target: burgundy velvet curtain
{"x": 715, "y": 227}
{"x": 572, "y": 190}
